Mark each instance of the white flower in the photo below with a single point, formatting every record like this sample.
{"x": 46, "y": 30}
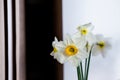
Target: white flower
{"x": 56, "y": 51}
{"x": 72, "y": 51}
{"x": 54, "y": 43}
{"x": 85, "y": 31}
{"x": 102, "y": 46}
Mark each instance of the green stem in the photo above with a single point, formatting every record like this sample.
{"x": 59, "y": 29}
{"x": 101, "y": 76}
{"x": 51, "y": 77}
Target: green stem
{"x": 81, "y": 70}
{"x": 88, "y": 66}
{"x": 85, "y": 70}
{"x": 88, "y": 63}
{"x": 78, "y": 73}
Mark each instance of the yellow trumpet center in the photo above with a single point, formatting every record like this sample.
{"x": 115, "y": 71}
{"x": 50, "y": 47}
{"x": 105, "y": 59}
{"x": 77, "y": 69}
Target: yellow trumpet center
{"x": 55, "y": 50}
{"x": 84, "y": 31}
{"x": 71, "y": 50}
{"x": 101, "y": 44}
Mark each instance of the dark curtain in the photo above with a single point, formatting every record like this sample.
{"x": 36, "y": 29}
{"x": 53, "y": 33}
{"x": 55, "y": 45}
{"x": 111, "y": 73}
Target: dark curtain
{"x": 43, "y": 22}
{"x": 34, "y": 25}
{"x": 39, "y": 35}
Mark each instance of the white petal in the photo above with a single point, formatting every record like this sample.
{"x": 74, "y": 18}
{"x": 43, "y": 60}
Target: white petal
{"x": 89, "y": 26}
{"x": 74, "y": 61}
{"x": 95, "y": 50}
{"x": 55, "y": 39}
{"x": 60, "y": 44}
{"x": 80, "y": 42}
{"x": 99, "y": 37}
{"x": 79, "y": 27}
{"x": 68, "y": 39}
{"x": 108, "y": 43}
{"x": 61, "y": 58}
{"x": 91, "y": 39}
{"x": 76, "y": 35}
{"x": 82, "y": 55}
{"x": 52, "y": 53}
{"x": 54, "y": 42}
{"x": 104, "y": 53}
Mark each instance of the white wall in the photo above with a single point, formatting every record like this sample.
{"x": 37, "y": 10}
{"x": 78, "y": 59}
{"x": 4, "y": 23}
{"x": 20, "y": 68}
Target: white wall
{"x": 105, "y": 16}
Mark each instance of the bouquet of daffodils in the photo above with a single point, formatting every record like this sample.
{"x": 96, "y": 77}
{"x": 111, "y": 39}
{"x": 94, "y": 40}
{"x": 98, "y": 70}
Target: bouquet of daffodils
{"x": 79, "y": 47}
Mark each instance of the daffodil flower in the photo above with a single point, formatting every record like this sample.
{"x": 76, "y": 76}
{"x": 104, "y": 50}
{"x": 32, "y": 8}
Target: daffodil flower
{"x": 56, "y": 51}
{"x": 85, "y": 31}
{"x": 102, "y": 46}
{"x": 72, "y": 50}
{"x": 54, "y": 43}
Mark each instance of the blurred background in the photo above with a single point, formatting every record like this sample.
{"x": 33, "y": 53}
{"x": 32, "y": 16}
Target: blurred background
{"x": 105, "y": 16}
